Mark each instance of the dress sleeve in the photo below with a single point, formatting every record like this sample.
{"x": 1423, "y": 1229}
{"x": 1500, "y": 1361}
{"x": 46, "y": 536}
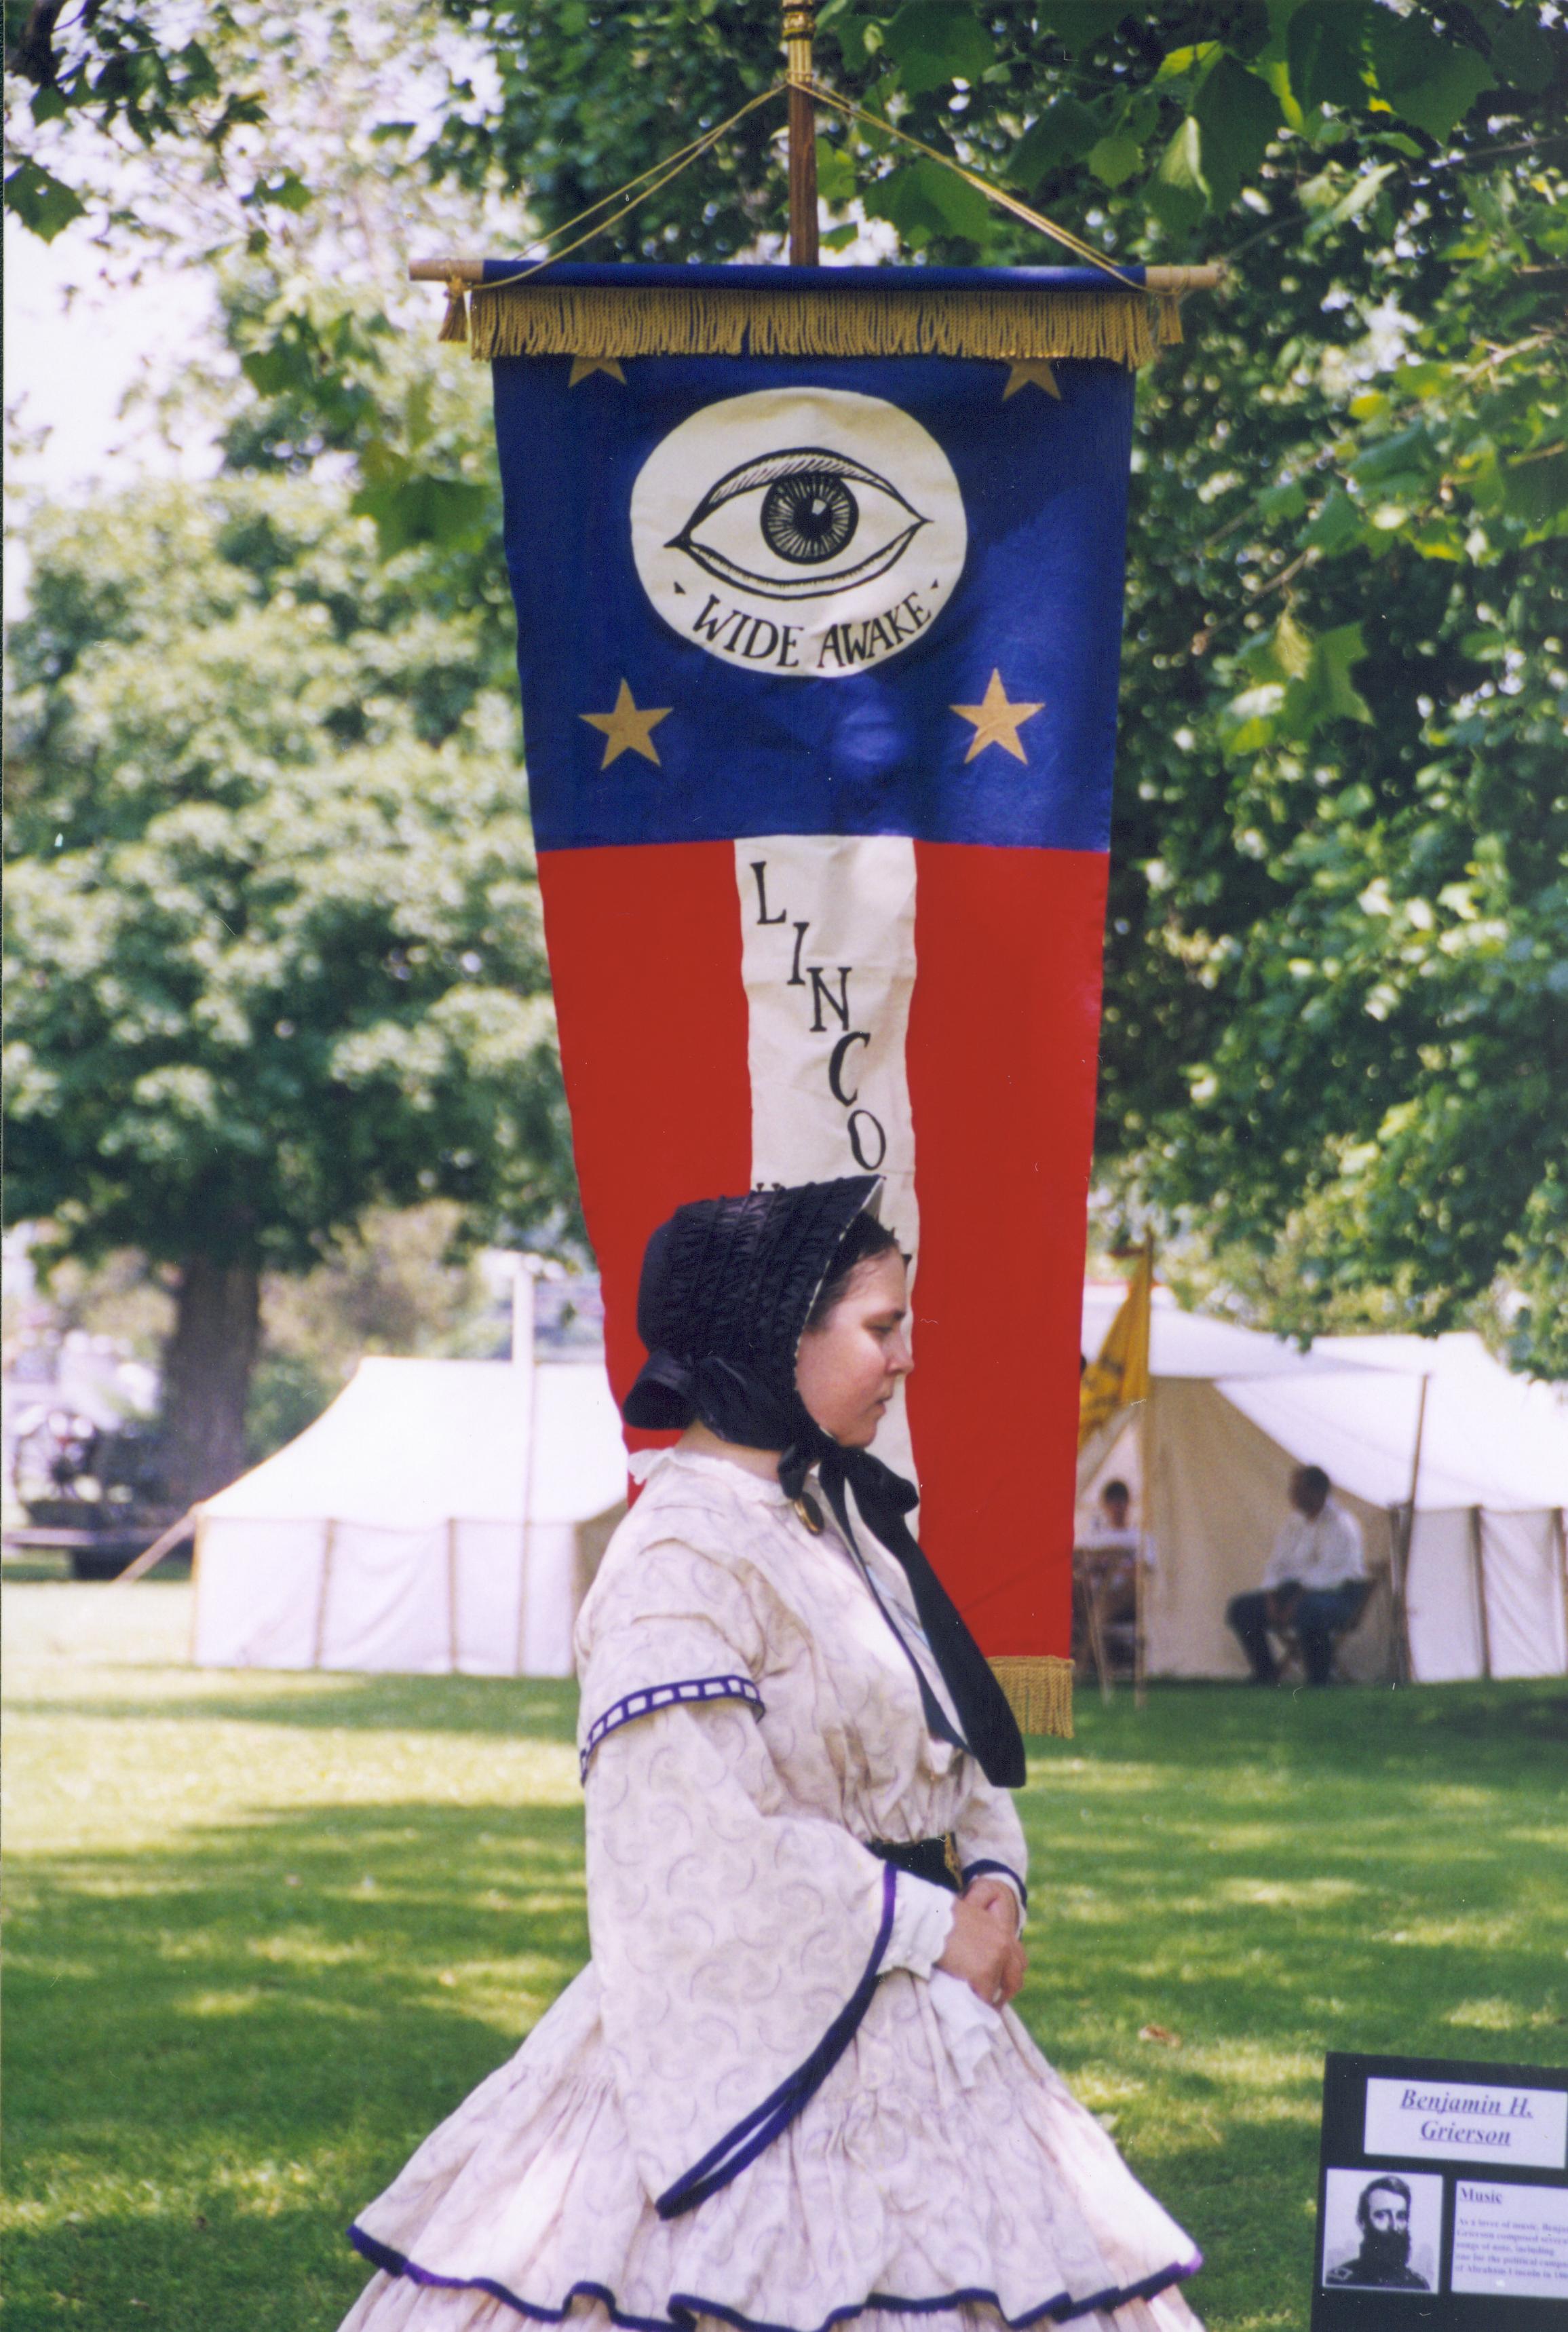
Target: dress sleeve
{"x": 989, "y": 1836}
{"x": 738, "y": 1942}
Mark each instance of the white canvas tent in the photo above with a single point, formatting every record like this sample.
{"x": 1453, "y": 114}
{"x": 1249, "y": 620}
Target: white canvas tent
{"x": 440, "y": 1516}
{"x": 1230, "y": 1414}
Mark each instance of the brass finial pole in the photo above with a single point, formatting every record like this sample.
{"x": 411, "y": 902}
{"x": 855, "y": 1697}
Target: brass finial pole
{"x": 799, "y": 24}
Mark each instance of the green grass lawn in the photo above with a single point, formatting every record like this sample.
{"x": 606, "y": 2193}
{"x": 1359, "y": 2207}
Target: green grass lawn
{"x": 265, "y": 1930}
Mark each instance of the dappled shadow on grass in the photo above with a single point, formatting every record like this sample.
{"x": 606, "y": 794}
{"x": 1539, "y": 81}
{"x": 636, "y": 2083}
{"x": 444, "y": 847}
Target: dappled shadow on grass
{"x": 229, "y": 2047}
{"x": 526, "y": 1708}
{"x": 1221, "y": 1725}
{"x": 212, "y": 2068}
{"x": 1264, "y": 1877}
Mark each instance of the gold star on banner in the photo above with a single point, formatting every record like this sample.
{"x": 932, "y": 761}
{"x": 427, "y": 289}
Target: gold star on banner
{"x": 996, "y": 722}
{"x": 1031, "y": 372}
{"x": 582, "y": 367}
{"x": 628, "y": 731}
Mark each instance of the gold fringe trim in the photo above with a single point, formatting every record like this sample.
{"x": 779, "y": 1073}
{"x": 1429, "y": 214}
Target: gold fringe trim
{"x": 547, "y": 319}
{"x": 1039, "y": 1692}
{"x": 454, "y": 323}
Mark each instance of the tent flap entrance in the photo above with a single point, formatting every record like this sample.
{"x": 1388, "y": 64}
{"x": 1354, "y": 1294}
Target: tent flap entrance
{"x": 1230, "y": 1414}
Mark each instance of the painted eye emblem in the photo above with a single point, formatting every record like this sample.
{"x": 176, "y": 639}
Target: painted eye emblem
{"x": 809, "y": 517}
{"x": 791, "y": 514}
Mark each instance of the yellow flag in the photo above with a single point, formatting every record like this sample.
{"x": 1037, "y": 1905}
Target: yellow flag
{"x": 1121, "y": 1374}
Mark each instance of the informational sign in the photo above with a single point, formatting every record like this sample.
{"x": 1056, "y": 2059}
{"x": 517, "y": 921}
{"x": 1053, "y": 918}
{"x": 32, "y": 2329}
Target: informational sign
{"x": 1442, "y": 2196}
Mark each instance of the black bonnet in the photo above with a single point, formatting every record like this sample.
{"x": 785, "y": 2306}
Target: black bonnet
{"x": 728, "y": 1285}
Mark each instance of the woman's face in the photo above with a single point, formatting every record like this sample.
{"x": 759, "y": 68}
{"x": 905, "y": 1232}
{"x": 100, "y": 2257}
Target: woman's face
{"x": 848, "y": 1368}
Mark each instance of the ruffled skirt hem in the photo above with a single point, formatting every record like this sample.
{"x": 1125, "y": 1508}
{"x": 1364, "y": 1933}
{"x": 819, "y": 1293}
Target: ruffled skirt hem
{"x": 686, "y": 2312}
{"x": 974, "y": 2202}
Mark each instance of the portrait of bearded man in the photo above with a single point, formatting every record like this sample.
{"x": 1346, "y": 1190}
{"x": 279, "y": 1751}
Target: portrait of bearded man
{"x": 1382, "y": 2262}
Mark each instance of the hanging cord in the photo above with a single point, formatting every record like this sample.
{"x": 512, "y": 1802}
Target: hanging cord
{"x": 661, "y": 174}
{"x": 647, "y": 182}
{"x": 1037, "y": 219}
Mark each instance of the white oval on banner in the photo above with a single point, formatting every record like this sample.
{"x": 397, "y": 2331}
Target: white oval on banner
{"x": 810, "y": 531}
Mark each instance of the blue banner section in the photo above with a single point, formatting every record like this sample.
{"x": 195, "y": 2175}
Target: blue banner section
{"x": 739, "y": 275}
{"x": 817, "y": 595}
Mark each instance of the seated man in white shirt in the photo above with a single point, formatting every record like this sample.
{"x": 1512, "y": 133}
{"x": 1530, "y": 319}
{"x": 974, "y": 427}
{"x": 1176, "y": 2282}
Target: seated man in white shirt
{"x": 1104, "y": 1560}
{"x": 1314, "y": 1583}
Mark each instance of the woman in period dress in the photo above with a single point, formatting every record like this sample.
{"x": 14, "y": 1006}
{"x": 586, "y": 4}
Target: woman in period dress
{"x": 787, "y": 2092}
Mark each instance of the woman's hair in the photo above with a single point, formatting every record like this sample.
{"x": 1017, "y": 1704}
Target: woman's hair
{"x": 865, "y": 1239}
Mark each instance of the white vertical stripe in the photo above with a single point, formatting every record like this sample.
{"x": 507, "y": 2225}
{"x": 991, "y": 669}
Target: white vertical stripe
{"x": 828, "y": 958}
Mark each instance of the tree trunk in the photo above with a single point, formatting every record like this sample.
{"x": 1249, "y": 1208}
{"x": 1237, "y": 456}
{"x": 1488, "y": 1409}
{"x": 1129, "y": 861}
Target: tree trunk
{"x": 207, "y": 1365}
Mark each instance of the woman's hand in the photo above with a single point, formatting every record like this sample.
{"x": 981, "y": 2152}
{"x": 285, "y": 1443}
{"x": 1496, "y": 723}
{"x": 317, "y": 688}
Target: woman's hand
{"x": 994, "y": 1895}
{"x": 983, "y": 1950}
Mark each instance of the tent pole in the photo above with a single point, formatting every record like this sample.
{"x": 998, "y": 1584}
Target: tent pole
{"x": 1560, "y": 1533}
{"x": 526, "y": 1356}
{"x": 1140, "y": 1573}
{"x": 1405, "y": 1541}
{"x": 195, "y": 1593}
{"x": 1478, "y": 1560}
{"x": 1088, "y": 1586}
{"x": 151, "y": 1556}
{"x": 329, "y": 1541}
{"x": 452, "y": 1592}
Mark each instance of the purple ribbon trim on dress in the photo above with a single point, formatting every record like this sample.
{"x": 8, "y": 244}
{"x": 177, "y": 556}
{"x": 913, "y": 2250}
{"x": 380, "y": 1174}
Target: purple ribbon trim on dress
{"x": 685, "y": 2308}
{"x": 978, "y": 1870}
{"x": 665, "y": 1695}
{"x": 768, "y": 2120}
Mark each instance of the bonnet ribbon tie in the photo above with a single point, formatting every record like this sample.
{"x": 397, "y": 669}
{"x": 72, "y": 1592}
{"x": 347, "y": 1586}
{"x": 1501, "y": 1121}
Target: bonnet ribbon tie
{"x": 885, "y": 1498}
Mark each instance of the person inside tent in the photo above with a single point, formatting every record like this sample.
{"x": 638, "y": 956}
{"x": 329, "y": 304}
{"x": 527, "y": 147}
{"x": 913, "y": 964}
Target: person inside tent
{"x": 789, "y": 2090}
{"x": 1314, "y": 1583}
{"x": 1111, "y": 1524}
{"x": 1105, "y": 1568}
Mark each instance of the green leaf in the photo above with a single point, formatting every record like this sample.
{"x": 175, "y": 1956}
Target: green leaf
{"x": 1520, "y": 51}
{"x": 854, "y": 35}
{"x": 286, "y": 188}
{"x": 1358, "y": 197}
{"x": 1394, "y": 457}
{"x": 1178, "y": 193}
{"x": 1336, "y": 526}
{"x": 443, "y": 511}
{"x": 1237, "y": 115}
{"x": 1078, "y": 24}
{"x": 934, "y": 42}
{"x": 839, "y": 238}
{"x": 1063, "y": 133}
{"x": 48, "y": 105}
{"x": 1115, "y": 158}
{"x": 44, "y": 203}
{"x": 1324, "y": 45}
{"x": 1326, "y": 690}
{"x": 1536, "y": 488}
{"x": 290, "y": 363}
{"x": 1282, "y": 501}
{"x": 1429, "y": 79}
{"x": 835, "y": 173}
{"x": 1284, "y": 653}
{"x": 1179, "y": 62}
{"x": 923, "y": 199}
{"x": 1247, "y": 723}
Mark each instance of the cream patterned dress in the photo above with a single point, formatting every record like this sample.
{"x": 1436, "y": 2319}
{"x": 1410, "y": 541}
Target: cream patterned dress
{"x": 759, "y": 2106}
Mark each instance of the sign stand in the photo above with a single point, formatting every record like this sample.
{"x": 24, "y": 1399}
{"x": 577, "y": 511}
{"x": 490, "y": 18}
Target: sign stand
{"x": 1442, "y": 2196}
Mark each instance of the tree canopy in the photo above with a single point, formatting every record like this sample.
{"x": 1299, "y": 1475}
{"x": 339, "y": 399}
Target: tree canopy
{"x": 1337, "y": 972}
{"x": 274, "y": 951}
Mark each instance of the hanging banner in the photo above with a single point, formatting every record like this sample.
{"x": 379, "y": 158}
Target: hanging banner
{"x": 819, "y": 588}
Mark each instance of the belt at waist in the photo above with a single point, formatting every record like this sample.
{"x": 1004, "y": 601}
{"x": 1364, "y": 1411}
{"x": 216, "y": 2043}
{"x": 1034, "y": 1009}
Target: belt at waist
{"x": 932, "y": 1858}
